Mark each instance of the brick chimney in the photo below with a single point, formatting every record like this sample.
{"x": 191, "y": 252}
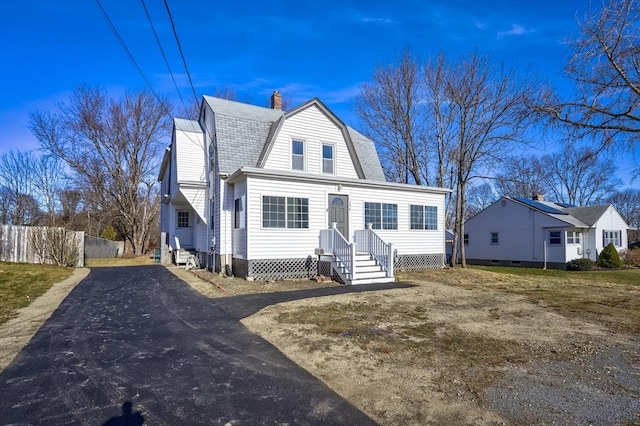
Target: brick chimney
{"x": 538, "y": 197}
{"x": 276, "y": 100}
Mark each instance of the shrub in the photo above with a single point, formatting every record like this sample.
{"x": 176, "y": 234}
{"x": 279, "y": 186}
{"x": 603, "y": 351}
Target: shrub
{"x": 631, "y": 257}
{"x": 609, "y": 257}
{"x": 580, "y": 265}
{"x": 108, "y": 233}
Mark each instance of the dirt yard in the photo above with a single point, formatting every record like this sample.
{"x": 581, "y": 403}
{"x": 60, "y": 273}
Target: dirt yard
{"x": 461, "y": 347}
{"x": 472, "y": 347}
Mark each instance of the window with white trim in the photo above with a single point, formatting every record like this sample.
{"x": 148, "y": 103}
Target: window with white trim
{"x": 328, "y": 158}
{"x": 611, "y": 237}
{"x": 574, "y": 237}
{"x": 239, "y": 213}
{"x": 381, "y": 215}
{"x": 423, "y": 217}
{"x": 297, "y": 155}
{"x": 555, "y": 238}
{"x": 285, "y": 212}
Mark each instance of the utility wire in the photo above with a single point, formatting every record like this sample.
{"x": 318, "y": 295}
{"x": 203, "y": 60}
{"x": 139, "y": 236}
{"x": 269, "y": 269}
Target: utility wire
{"x": 184, "y": 61}
{"x": 127, "y": 51}
{"x": 164, "y": 56}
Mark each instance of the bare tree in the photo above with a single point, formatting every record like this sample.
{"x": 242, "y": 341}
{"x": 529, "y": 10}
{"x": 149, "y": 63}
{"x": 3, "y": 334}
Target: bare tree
{"x": 389, "y": 110}
{"x": 605, "y": 67}
{"x": 577, "y": 177}
{"x": 479, "y": 197}
{"x": 17, "y": 176}
{"x": 112, "y": 147}
{"x": 627, "y": 202}
{"x": 443, "y": 122}
{"x": 523, "y": 177}
{"x": 488, "y": 116}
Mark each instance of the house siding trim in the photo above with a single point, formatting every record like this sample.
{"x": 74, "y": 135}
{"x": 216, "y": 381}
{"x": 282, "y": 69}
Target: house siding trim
{"x": 363, "y": 183}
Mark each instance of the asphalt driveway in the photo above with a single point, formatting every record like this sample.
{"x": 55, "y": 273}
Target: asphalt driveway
{"x": 133, "y": 342}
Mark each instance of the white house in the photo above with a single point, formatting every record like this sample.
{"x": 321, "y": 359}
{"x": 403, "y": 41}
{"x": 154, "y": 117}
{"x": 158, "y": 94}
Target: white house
{"x": 538, "y": 233}
{"x": 268, "y": 194}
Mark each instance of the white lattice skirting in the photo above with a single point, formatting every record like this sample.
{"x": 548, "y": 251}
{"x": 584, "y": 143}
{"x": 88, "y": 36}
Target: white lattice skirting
{"x": 280, "y": 269}
{"x": 296, "y": 268}
{"x": 416, "y": 262}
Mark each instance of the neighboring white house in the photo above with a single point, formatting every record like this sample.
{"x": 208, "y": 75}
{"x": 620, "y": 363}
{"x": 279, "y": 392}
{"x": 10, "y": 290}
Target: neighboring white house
{"x": 257, "y": 190}
{"x": 538, "y": 233}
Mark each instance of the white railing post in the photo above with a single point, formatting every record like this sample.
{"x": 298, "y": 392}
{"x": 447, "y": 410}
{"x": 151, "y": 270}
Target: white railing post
{"x": 352, "y": 266}
{"x": 390, "y": 262}
{"x": 333, "y": 236}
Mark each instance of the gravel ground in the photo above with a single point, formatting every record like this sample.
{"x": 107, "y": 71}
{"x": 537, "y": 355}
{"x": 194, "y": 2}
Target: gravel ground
{"x": 601, "y": 388}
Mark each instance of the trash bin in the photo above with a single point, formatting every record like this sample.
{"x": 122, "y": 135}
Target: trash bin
{"x": 156, "y": 255}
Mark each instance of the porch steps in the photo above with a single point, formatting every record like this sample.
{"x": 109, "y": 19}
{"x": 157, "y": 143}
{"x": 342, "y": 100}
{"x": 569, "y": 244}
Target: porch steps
{"x": 367, "y": 271}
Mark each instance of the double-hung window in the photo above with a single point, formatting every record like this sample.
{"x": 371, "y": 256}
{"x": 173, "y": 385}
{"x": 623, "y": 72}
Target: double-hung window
{"x": 297, "y": 155}
{"x": 423, "y": 217}
{"x": 611, "y": 237}
{"x": 381, "y": 215}
{"x": 328, "y": 158}
{"x": 494, "y": 238}
{"x": 285, "y": 212}
{"x": 555, "y": 238}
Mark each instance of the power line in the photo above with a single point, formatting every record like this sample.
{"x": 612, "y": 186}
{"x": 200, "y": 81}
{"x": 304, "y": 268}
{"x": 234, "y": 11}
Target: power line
{"x": 164, "y": 56}
{"x": 127, "y": 51}
{"x": 184, "y": 61}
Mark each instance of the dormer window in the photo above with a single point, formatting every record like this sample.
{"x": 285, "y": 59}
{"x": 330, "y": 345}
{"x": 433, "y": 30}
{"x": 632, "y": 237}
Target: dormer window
{"x": 327, "y": 158}
{"x": 297, "y": 155}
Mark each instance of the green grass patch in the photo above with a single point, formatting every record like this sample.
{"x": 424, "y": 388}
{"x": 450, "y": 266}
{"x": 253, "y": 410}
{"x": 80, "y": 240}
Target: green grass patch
{"x": 616, "y": 276}
{"x": 22, "y": 283}
{"x": 119, "y": 261}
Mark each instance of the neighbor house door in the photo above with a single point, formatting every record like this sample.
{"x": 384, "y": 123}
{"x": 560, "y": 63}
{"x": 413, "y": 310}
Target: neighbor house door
{"x": 339, "y": 213}
{"x": 184, "y": 228}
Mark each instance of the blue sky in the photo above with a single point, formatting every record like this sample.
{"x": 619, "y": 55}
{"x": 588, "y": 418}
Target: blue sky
{"x": 304, "y": 49}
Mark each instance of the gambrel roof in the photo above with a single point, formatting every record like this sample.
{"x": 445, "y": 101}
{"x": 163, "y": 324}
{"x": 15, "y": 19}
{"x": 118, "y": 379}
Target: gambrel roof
{"x": 245, "y": 134}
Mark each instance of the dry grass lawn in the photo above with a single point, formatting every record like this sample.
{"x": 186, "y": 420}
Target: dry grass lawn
{"x": 432, "y": 354}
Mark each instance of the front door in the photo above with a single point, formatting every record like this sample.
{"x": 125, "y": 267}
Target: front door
{"x": 339, "y": 213}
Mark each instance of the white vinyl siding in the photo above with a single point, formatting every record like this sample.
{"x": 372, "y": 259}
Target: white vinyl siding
{"x": 190, "y": 156}
{"x": 316, "y": 129}
{"x": 270, "y": 243}
{"x": 522, "y": 234}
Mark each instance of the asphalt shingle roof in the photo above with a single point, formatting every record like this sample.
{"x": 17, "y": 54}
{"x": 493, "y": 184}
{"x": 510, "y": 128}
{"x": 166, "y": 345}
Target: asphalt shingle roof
{"x": 588, "y": 215}
{"x": 242, "y": 130}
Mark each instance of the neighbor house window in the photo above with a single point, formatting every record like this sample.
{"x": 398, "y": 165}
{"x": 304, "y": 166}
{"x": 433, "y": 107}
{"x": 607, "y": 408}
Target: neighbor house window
{"x": 574, "y": 237}
{"x": 555, "y": 237}
{"x": 285, "y": 212}
{"x": 494, "y": 238}
{"x": 423, "y": 217}
{"x": 381, "y": 215}
{"x": 466, "y": 239}
{"x": 239, "y": 217}
{"x": 327, "y": 158}
{"x": 297, "y": 155}
{"x": 183, "y": 219}
{"x": 611, "y": 237}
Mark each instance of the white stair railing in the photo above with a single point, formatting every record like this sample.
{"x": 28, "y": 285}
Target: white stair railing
{"x": 368, "y": 241}
{"x": 344, "y": 252}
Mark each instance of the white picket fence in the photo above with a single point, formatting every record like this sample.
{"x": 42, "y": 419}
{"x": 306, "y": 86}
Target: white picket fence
{"x": 17, "y": 243}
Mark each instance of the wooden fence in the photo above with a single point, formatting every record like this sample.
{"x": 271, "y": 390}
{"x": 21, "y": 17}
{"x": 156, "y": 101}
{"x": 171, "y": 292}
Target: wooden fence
{"x": 24, "y": 243}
